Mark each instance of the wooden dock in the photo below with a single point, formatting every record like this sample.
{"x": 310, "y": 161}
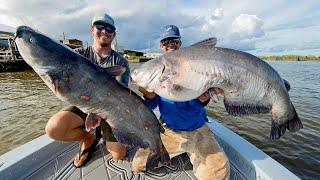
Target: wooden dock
{"x": 11, "y": 61}
{"x": 10, "y": 58}
{"x": 13, "y": 65}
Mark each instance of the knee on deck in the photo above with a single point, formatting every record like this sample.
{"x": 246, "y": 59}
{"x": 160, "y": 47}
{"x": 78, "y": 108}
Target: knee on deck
{"x": 218, "y": 165}
{"x": 54, "y": 129}
{"x": 116, "y": 149}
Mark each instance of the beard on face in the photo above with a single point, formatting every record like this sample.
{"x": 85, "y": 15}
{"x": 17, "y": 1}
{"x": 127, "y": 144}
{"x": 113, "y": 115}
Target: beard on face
{"x": 104, "y": 44}
{"x": 104, "y": 41}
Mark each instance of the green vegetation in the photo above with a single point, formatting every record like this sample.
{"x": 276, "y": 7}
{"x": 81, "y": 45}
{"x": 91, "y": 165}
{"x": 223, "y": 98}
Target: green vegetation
{"x": 290, "y": 57}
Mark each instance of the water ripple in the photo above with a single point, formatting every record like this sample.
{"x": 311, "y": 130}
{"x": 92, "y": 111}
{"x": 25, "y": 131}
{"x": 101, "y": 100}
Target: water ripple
{"x": 27, "y": 104}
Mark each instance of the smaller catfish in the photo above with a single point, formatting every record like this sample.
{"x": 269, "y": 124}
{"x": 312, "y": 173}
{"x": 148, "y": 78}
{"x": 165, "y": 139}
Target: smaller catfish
{"x": 76, "y": 80}
{"x": 248, "y": 84}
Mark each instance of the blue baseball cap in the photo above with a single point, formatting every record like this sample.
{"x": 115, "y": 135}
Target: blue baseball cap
{"x": 169, "y": 31}
{"x": 103, "y": 18}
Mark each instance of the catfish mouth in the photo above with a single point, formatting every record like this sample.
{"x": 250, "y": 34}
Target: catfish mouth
{"x": 155, "y": 79}
{"x": 147, "y": 79}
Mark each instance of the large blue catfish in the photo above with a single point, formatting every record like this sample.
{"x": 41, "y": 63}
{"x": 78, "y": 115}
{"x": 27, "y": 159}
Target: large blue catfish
{"x": 78, "y": 81}
{"x": 249, "y": 85}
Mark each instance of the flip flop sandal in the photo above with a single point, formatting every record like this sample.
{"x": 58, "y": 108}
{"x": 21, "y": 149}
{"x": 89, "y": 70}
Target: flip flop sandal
{"x": 90, "y": 149}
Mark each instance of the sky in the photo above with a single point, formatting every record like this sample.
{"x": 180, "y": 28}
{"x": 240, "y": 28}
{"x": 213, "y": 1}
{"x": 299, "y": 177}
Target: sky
{"x": 260, "y": 27}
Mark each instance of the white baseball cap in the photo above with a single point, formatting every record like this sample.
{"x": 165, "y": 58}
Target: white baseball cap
{"x": 104, "y": 18}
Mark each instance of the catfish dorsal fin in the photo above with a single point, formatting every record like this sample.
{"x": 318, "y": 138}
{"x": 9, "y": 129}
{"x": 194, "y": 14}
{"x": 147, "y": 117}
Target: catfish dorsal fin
{"x": 286, "y": 84}
{"x": 209, "y": 42}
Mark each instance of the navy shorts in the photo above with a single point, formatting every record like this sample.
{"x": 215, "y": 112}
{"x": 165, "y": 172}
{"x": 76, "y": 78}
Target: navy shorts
{"x": 106, "y": 130}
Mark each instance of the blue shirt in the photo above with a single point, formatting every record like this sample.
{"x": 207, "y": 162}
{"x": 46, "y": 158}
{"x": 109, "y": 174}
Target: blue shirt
{"x": 179, "y": 116}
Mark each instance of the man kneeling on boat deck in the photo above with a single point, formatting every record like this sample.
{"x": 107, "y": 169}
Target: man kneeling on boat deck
{"x": 68, "y": 124}
{"x": 185, "y": 125}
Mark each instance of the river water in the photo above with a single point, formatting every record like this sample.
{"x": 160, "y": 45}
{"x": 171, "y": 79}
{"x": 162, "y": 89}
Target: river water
{"x": 26, "y": 104}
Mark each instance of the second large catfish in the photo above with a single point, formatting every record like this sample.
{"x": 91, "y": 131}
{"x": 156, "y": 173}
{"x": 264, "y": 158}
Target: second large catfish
{"x": 249, "y": 85}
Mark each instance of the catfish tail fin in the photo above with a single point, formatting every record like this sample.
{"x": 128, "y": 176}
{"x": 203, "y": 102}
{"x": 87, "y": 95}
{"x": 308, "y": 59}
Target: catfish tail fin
{"x": 157, "y": 158}
{"x": 293, "y": 125}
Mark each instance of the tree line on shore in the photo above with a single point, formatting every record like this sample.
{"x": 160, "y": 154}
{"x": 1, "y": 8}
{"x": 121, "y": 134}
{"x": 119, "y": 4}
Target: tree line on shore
{"x": 290, "y": 57}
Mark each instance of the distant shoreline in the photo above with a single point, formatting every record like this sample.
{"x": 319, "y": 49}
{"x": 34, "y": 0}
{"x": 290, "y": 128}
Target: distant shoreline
{"x": 290, "y": 58}
{"x": 137, "y": 59}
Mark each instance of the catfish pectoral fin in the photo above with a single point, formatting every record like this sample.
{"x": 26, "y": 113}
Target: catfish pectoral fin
{"x": 92, "y": 121}
{"x": 50, "y": 81}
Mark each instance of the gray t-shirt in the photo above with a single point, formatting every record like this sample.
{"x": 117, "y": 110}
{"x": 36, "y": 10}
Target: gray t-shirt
{"x": 113, "y": 59}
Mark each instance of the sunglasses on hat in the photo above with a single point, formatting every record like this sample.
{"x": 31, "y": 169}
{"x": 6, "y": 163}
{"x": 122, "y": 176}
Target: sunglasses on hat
{"x": 100, "y": 27}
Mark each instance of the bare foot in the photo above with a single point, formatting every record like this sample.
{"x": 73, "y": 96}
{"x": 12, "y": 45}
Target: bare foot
{"x": 140, "y": 160}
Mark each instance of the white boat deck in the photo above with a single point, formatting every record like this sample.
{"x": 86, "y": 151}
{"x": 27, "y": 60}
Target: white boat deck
{"x": 44, "y": 158}
{"x": 102, "y": 166}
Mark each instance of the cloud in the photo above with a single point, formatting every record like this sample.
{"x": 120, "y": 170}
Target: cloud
{"x": 242, "y": 33}
{"x": 6, "y": 28}
{"x": 297, "y": 40}
{"x": 217, "y": 14}
{"x": 249, "y": 25}
{"x": 212, "y": 21}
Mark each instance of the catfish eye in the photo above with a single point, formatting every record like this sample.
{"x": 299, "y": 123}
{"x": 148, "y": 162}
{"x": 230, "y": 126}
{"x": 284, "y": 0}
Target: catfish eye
{"x": 31, "y": 40}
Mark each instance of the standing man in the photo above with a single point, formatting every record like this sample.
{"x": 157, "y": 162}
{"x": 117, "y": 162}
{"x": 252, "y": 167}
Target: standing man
{"x": 68, "y": 123}
{"x": 185, "y": 125}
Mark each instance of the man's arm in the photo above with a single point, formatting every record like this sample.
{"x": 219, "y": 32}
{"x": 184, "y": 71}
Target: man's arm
{"x": 204, "y": 98}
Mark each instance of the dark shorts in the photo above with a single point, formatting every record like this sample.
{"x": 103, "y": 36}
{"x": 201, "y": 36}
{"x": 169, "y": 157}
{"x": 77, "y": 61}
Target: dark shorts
{"x": 106, "y": 131}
